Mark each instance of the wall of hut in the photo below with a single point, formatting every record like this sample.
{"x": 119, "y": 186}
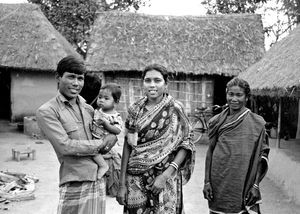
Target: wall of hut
{"x": 193, "y": 91}
{"x": 29, "y": 90}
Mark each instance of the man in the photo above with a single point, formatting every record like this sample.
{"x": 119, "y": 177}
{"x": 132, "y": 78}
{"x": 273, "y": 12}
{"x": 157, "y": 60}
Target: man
{"x": 65, "y": 121}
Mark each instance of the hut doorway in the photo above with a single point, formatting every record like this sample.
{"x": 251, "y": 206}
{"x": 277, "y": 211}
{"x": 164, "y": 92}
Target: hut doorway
{"x": 5, "y": 109}
{"x": 220, "y": 89}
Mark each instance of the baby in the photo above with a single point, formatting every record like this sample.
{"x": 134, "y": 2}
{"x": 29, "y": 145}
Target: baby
{"x": 106, "y": 119}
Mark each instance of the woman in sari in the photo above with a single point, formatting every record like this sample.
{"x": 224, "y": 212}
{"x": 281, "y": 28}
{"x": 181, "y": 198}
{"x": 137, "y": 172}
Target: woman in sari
{"x": 158, "y": 155}
{"x": 237, "y": 157}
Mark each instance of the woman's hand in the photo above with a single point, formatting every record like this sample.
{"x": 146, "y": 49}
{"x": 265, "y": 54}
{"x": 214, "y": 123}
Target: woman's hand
{"x": 159, "y": 184}
{"x": 207, "y": 192}
{"x": 252, "y": 196}
{"x": 122, "y": 195}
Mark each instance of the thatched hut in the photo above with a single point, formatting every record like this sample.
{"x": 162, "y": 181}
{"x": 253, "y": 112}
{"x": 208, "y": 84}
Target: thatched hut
{"x": 276, "y": 77}
{"x": 202, "y": 53}
{"x": 30, "y": 50}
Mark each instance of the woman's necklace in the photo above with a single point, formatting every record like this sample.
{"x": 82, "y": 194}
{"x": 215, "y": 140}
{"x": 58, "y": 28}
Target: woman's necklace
{"x": 150, "y": 107}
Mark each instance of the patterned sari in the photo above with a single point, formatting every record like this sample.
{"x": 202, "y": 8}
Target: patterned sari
{"x": 241, "y": 144}
{"x": 162, "y": 131}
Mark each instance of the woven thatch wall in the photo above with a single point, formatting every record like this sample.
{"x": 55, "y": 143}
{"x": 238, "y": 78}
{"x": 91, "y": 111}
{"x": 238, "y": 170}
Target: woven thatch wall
{"x": 192, "y": 92}
{"x": 28, "y": 40}
{"x": 221, "y": 44}
{"x": 278, "y": 72}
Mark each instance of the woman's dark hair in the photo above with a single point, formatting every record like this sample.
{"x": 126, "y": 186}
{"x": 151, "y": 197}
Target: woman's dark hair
{"x": 241, "y": 83}
{"x": 161, "y": 69}
{"x": 115, "y": 90}
{"x": 70, "y": 64}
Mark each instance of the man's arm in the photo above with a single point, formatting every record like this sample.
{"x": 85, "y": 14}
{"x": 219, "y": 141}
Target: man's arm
{"x": 57, "y": 135}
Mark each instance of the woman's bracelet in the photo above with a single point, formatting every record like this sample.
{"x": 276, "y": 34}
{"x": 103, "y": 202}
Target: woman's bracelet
{"x": 256, "y": 186}
{"x": 175, "y": 165}
{"x": 207, "y": 183}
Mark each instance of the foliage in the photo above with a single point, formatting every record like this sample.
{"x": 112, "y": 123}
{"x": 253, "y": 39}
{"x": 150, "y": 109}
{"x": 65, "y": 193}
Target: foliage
{"x": 286, "y": 13}
{"x": 74, "y": 18}
{"x": 231, "y": 6}
{"x": 292, "y": 9}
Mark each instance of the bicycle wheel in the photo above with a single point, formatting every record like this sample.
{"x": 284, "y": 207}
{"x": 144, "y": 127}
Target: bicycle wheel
{"x": 198, "y": 129}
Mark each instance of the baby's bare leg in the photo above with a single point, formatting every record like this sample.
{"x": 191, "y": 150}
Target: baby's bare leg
{"x": 103, "y": 166}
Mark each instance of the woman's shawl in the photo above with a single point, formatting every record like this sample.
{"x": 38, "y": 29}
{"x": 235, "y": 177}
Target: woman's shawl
{"x": 241, "y": 144}
{"x": 161, "y": 131}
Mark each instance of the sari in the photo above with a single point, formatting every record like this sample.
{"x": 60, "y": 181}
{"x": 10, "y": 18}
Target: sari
{"x": 162, "y": 131}
{"x": 241, "y": 144}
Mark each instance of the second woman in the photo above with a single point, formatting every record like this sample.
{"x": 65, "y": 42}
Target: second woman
{"x": 158, "y": 156}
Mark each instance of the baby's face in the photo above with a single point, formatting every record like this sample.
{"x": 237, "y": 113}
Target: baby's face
{"x": 105, "y": 100}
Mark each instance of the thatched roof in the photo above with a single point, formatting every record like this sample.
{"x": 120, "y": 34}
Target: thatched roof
{"x": 278, "y": 72}
{"x": 28, "y": 40}
{"x": 214, "y": 44}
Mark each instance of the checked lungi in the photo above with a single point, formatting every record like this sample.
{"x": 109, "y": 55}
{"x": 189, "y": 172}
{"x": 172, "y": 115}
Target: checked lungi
{"x": 87, "y": 197}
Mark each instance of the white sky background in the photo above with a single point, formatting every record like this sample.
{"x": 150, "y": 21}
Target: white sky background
{"x": 160, "y": 7}
{"x": 174, "y": 7}
{"x": 13, "y": 1}
{"x": 190, "y": 7}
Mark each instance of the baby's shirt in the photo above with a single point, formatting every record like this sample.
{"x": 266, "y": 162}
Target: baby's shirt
{"x": 115, "y": 119}
{"x": 98, "y": 130}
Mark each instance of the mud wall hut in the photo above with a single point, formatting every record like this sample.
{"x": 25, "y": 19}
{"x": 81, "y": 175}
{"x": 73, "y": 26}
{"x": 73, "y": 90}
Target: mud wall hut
{"x": 30, "y": 50}
{"x": 276, "y": 78}
{"x": 202, "y": 53}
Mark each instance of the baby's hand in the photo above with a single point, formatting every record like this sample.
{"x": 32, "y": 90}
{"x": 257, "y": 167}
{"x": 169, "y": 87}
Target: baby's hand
{"x": 104, "y": 121}
{"x": 100, "y": 121}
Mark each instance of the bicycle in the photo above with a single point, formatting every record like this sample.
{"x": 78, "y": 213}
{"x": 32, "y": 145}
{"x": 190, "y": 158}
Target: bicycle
{"x": 199, "y": 120}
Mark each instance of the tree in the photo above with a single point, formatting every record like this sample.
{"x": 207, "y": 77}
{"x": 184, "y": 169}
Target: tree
{"x": 292, "y": 9}
{"x": 232, "y": 6}
{"x": 285, "y": 14}
{"x": 74, "y": 18}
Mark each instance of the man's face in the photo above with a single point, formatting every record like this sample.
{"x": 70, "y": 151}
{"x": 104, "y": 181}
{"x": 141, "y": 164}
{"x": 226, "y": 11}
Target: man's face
{"x": 70, "y": 85}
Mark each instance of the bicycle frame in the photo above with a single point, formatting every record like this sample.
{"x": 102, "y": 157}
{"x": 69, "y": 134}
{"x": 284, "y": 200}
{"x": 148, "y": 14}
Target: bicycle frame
{"x": 199, "y": 124}
{"x": 199, "y": 120}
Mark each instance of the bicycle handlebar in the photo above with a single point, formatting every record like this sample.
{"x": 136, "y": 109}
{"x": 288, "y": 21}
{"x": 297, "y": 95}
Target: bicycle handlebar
{"x": 213, "y": 108}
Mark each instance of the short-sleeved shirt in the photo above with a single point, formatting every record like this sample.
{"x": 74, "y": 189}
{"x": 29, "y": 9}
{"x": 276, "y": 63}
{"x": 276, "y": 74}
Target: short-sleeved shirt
{"x": 115, "y": 119}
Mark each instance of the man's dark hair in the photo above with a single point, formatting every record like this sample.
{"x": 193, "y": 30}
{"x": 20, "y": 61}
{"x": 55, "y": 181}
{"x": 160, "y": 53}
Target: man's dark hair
{"x": 115, "y": 90}
{"x": 70, "y": 64}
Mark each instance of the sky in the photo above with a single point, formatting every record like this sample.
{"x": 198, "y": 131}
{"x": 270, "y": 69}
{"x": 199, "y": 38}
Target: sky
{"x": 160, "y": 7}
{"x": 13, "y": 1}
{"x": 174, "y": 7}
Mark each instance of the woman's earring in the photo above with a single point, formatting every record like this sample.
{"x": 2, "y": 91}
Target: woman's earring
{"x": 166, "y": 91}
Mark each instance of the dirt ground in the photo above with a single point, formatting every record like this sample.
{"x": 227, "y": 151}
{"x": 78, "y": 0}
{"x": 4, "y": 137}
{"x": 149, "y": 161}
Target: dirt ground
{"x": 45, "y": 168}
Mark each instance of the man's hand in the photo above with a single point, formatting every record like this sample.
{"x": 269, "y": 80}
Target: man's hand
{"x": 208, "y": 192}
{"x": 108, "y": 141}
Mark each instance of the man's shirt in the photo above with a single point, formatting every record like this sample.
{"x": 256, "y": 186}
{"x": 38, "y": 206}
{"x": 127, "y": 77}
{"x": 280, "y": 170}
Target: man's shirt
{"x": 69, "y": 133}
